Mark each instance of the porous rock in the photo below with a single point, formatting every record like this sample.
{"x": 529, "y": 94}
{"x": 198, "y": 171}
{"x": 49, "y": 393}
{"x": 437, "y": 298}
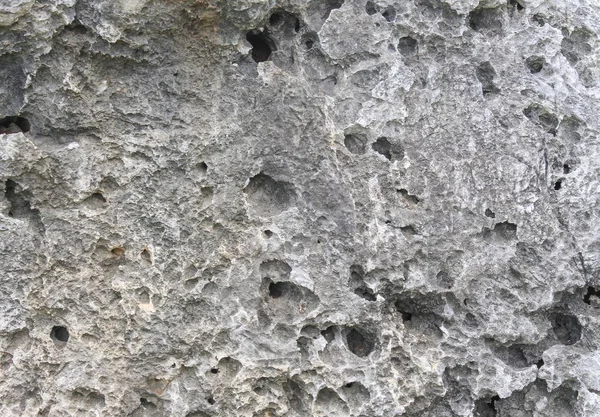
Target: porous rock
{"x": 293, "y": 208}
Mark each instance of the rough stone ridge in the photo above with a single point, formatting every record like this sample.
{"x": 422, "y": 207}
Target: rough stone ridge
{"x": 292, "y": 208}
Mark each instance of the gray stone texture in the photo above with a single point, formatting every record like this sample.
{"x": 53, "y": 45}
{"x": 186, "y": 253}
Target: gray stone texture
{"x": 394, "y": 212}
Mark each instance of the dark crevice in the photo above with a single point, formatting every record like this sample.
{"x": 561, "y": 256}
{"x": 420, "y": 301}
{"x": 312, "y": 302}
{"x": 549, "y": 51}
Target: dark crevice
{"x": 14, "y": 124}
{"x": 262, "y": 45}
{"x": 591, "y": 292}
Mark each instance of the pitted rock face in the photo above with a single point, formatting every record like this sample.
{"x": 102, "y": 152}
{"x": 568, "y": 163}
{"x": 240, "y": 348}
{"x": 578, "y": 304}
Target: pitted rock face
{"x": 300, "y": 208}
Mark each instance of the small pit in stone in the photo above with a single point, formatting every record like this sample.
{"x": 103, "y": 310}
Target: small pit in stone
{"x": 355, "y": 143}
{"x": 277, "y": 289}
{"x": 489, "y": 213}
{"x": 118, "y": 251}
{"x": 389, "y": 14}
{"x": 383, "y": 147}
{"x": 535, "y": 64}
{"x": 59, "y": 334}
{"x": 14, "y": 124}
{"x": 359, "y": 342}
{"x": 516, "y": 4}
{"x": 371, "y": 8}
{"x": 558, "y": 184}
{"x": 566, "y": 328}
{"x": 407, "y": 46}
{"x": 268, "y": 233}
{"x": 262, "y": 45}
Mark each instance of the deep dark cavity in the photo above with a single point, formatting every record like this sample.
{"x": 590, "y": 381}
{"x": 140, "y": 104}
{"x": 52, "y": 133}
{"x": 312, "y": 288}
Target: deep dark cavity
{"x": 566, "y": 169}
{"x": 535, "y": 63}
{"x": 407, "y": 46}
{"x": 278, "y": 289}
{"x": 14, "y": 124}
{"x": 389, "y": 14}
{"x": 275, "y": 19}
{"x": 262, "y": 45}
{"x": 99, "y": 197}
{"x": 371, "y": 8}
{"x": 489, "y": 213}
{"x": 485, "y": 20}
{"x": 268, "y": 233}
{"x": 558, "y": 184}
{"x": 59, "y": 334}
{"x": 516, "y": 4}
{"x": 485, "y": 74}
{"x": 591, "y": 292}
{"x": 566, "y": 327}
{"x": 383, "y": 147}
{"x": 359, "y": 342}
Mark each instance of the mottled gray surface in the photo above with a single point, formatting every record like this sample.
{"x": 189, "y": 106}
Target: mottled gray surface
{"x": 395, "y": 213}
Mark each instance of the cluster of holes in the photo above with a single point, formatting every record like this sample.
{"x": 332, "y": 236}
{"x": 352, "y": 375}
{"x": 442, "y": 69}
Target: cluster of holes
{"x": 14, "y": 124}
{"x": 389, "y": 13}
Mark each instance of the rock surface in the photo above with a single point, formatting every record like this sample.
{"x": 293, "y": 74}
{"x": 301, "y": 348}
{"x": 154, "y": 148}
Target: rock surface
{"x": 270, "y": 208}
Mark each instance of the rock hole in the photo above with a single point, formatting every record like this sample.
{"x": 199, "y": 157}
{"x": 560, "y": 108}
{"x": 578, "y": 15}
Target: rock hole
{"x": 269, "y": 196}
{"x": 118, "y": 251}
{"x": 558, "y": 184}
{"x": 489, "y": 213}
{"x": 355, "y": 143}
{"x": 407, "y": 45}
{"x": 535, "y": 63}
{"x": 506, "y": 230}
{"x": 190, "y": 284}
{"x": 146, "y": 255}
{"x": 262, "y": 45}
{"x": 371, "y": 8}
{"x": 59, "y": 334}
{"x": 413, "y": 199}
{"x": 277, "y": 290}
{"x": 214, "y": 371}
{"x": 408, "y": 231}
{"x": 384, "y": 147}
{"x": 566, "y": 169}
{"x": 539, "y": 19}
{"x": 297, "y": 25}
{"x": 591, "y": 292}
{"x": 566, "y": 327}
{"x": 359, "y": 342}
{"x": 328, "y": 334}
{"x": 98, "y": 197}
{"x": 331, "y": 5}
{"x": 365, "y": 292}
{"x": 516, "y": 4}
{"x": 485, "y": 20}
{"x": 202, "y": 167}
{"x": 20, "y": 207}
{"x": 349, "y": 385}
{"x": 14, "y": 124}
{"x": 542, "y": 117}
{"x": 389, "y": 14}
{"x": 275, "y": 19}
{"x": 210, "y": 400}
{"x": 539, "y": 363}
{"x": 144, "y": 401}
{"x": 485, "y": 74}
{"x": 268, "y": 233}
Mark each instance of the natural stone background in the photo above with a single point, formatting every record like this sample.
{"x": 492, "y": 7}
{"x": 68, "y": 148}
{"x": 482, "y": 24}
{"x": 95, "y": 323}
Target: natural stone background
{"x": 394, "y": 213}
